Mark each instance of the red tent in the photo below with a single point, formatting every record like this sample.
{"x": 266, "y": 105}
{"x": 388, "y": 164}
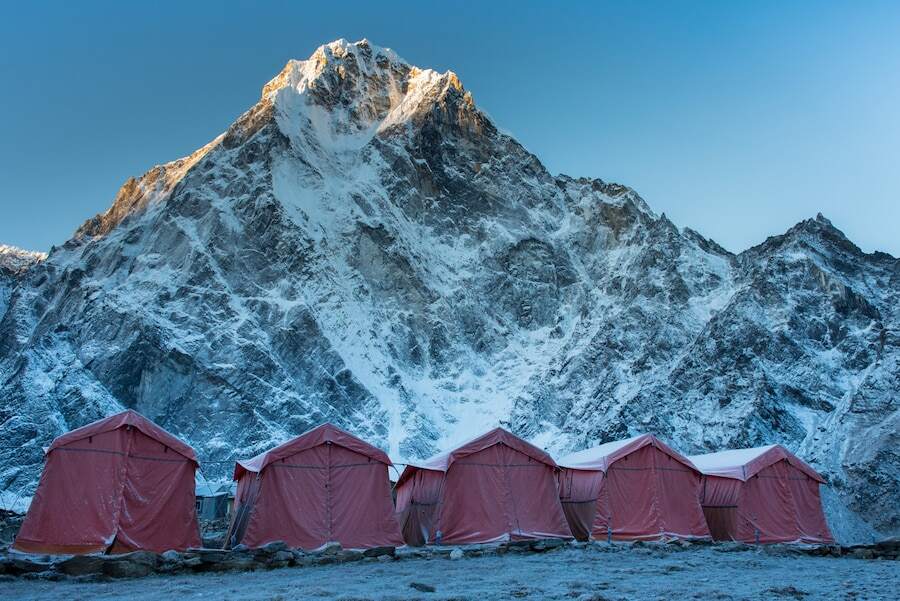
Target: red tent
{"x": 762, "y": 495}
{"x": 638, "y": 488}
{"x": 495, "y": 487}
{"x": 325, "y": 485}
{"x": 118, "y": 484}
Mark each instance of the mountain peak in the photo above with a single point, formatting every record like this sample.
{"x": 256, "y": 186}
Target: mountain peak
{"x": 340, "y": 58}
{"x": 366, "y": 80}
{"x": 18, "y": 260}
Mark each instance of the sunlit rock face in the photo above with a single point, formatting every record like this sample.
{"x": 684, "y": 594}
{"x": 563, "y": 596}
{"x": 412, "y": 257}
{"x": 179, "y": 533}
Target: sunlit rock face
{"x": 364, "y": 246}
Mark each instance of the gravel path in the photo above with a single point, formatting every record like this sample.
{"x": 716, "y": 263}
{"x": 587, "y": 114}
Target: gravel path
{"x": 593, "y": 573}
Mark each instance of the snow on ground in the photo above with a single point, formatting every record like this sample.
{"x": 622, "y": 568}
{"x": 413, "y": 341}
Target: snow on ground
{"x": 595, "y": 572}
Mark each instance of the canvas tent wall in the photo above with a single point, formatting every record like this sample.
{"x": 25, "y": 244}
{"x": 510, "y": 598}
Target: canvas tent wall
{"x": 325, "y": 485}
{"x": 495, "y": 487}
{"x": 118, "y": 484}
{"x": 762, "y": 495}
{"x": 633, "y": 489}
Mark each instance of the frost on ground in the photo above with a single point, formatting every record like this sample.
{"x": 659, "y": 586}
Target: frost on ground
{"x": 595, "y": 572}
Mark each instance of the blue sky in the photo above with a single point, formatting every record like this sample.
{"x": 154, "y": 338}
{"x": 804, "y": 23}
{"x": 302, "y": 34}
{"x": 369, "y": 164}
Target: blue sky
{"x": 737, "y": 119}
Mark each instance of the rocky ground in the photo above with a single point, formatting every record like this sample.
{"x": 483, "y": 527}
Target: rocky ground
{"x": 576, "y": 571}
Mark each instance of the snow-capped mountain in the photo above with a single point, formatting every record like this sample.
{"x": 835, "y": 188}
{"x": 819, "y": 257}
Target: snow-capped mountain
{"x": 364, "y": 246}
{"x": 13, "y": 263}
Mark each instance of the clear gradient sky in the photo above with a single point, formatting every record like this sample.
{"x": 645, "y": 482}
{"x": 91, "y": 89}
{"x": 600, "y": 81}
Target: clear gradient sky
{"x": 737, "y": 119}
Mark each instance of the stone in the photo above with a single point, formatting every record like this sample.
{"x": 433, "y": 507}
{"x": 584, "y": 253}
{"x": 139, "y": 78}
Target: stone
{"x": 376, "y": 551}
{"x": 192, "y": 561}
{"x": 171, "y": 555}
{"x": 330, "y": 548}
{"x": 411, "y": 553}
{"x": 422, "y": 587}
{"x": 27, "y": 564}
{"x": 483, "y": 549}
{"x": 348, "y": 555}
{"x": 546, "y": 544}
{"x": 48, "y": 575}
{"x": 81, "y": 565}
{"x": 130, "y": 565}
{"x": 236, "y": 563}
{"x": 282, "y": 558}
{"x": 274, "y": 546}
{"x": 211, "y": 555}
{"x": 456, "y": 553}
{"x": 385, "y": 558}
{"x": 241, "y": 547}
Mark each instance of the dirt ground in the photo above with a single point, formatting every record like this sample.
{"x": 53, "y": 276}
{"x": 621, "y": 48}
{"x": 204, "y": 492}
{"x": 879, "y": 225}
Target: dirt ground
{"x": 593, "y": 573}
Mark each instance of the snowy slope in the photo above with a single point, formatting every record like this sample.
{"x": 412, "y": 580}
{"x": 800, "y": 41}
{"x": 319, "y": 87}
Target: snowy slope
{"x": 364, "y": 246}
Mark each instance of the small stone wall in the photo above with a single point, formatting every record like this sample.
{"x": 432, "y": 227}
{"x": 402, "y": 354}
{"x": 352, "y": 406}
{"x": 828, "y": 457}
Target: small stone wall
{"x": 278, "y": 555}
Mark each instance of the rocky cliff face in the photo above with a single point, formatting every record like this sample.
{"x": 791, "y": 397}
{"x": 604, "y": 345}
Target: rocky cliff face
{"x": 364, "y": 246}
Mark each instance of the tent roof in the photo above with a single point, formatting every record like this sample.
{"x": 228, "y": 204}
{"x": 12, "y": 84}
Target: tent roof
{"x": 443, "y": 461}
{"x": 126, "y": 418}
{"x": 742, "y": 464}
{"x": 317, "y": 436}
{"x": 600, "y": 458}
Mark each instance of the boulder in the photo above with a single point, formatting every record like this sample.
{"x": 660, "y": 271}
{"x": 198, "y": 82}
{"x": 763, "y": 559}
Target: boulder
{"x": 456, "y": 553}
